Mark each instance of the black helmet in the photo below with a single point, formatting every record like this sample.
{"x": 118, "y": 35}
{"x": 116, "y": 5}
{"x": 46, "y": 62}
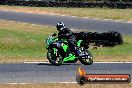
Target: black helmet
{"x": 60, "y": 25}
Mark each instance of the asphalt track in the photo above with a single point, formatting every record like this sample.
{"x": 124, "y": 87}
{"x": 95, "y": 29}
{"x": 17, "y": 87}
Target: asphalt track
{"x": 47, "y": 73}
{"x": 71, "y": 22}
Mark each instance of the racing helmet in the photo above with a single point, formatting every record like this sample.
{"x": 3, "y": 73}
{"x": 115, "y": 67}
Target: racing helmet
{"x": 60, "y": 25}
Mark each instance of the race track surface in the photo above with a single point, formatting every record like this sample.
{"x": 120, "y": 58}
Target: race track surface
{"x": 71, "y": 22}
{"x": 47, "y": 73}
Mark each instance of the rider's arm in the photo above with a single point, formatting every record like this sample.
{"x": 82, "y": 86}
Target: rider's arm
{"x": 63, "y": 35}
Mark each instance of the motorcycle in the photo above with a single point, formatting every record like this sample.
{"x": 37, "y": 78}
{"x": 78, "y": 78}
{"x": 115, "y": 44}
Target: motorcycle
{"x": 59, "y": 52}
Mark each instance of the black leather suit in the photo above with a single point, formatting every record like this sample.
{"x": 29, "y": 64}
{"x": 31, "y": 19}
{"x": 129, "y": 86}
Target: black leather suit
{"x": 66, "y": 33}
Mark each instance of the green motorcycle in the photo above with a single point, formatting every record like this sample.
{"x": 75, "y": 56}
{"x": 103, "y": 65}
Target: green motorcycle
{"x": 59, "y": 52}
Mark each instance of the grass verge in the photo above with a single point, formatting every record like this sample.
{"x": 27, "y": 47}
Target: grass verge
{"x": 67, "y": 86}
{"x": 25, "y": 42}
{"x": 21, "y": 42}
{"x": 104, "y": 13}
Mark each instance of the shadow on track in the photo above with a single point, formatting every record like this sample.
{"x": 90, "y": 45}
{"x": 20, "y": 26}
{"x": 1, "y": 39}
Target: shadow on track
{"x": 49, "y": 64}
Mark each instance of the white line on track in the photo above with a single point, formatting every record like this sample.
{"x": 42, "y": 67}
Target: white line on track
{"x": 97, "y": 18}
{"x": 73, "y": 16}
{"x": 35, "y": 13}
{"x": 37, "y": 62}
{"x": 40, "y": 83}
{"x": 15, "y": 83}
{"x": 129, "y": 22}
{"x": 86, "y": 17}
{"x": 93, "y": 62}
{"x": 63, "y": 82}
{"x": 108, "y": 19}
{"x": 6, "y": 10}
{"x": 112, "y": 62}
{"x": 30, "y": 24}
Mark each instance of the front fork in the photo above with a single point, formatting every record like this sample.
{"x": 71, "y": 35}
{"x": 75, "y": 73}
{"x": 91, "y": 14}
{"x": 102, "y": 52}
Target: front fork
{"x": 55, "y": 51}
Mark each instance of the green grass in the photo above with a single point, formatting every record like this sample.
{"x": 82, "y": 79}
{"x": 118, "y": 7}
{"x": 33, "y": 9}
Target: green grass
{"x": 21, "y": 42}
{"x": 27, "y": 44}
{"x": 125, "y": 49}
{"x": 104, "y": 13}
{"x": 116, "y": 53}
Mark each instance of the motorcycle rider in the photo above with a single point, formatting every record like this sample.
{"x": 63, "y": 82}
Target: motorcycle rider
{"x": 66, "y": 33}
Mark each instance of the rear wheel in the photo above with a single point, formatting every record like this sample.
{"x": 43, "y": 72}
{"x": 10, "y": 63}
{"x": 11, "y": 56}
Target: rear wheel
{"x": 54, "y": 56}
{"x": 88, "y": 60}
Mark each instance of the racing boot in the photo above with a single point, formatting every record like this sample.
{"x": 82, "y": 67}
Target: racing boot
{"x": 78, "y": 52}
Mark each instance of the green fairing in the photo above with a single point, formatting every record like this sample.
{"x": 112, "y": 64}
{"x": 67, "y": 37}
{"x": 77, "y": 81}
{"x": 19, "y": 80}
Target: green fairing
{"x": 54, "y": 50}
{"x": 70, "y": 57}
{"x": 51, "y": 40}
{"x": 64, "y": 47}
{"x": 79, "y": 43}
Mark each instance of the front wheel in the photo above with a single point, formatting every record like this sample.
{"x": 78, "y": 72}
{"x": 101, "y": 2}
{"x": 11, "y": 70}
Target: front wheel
{"x": 54, "y": 57}
{"x": 88, "y": 60}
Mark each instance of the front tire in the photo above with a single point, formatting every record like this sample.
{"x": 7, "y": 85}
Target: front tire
{"x": 55, "y": 59}
{"x": 88, "y": 60}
